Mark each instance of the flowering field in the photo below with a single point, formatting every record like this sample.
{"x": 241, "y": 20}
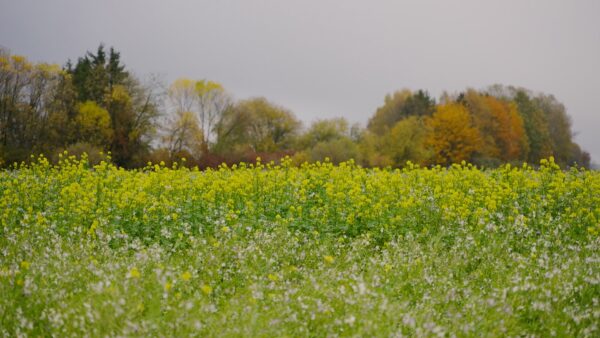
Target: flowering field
{"x": 321, "y": 250}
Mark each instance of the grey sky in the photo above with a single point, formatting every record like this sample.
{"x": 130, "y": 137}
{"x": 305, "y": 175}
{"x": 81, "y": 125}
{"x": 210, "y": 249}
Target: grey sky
{"x": 326, "y": 58}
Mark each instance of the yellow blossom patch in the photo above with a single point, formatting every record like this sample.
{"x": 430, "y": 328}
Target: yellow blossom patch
{"x": 134, "y": 273}
{"x": 186, "y": 276}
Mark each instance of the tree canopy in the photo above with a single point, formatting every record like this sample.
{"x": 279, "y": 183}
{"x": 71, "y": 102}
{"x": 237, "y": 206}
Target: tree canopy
{"x": 96, "y": 105}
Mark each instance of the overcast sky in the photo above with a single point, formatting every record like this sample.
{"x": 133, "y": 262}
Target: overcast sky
{"x": 326, "y": 58}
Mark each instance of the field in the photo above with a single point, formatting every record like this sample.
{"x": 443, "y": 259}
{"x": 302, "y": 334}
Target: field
{"x": 321, "y": 250}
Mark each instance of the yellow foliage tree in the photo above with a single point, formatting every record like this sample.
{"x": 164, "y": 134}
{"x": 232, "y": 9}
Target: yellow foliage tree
{"x": 451, "y": 135}
{"x": 94, "y": 124}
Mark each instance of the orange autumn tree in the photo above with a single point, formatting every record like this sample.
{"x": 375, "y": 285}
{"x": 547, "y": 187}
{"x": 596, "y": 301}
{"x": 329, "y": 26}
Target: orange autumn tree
{"x": 500, "y": 125}
{"x": 509, "y": 132}
{"x": 451, "y": 135}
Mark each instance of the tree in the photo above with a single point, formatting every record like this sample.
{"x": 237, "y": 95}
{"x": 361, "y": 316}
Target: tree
{"x": 94, "y": 124}
{"x": 324, "y": 131}
{"x": 328, "y": 138}
{"x": 547, "y": 126}
{"x": 451, "y": 135}
{"x": 207, "y": 100}
{"x": 404, "y": 142}
{"x": 122, "y": 117}
{"x": 95, "y": 75}
{"x": 500, "y": 124}
{"x": 483, "y": 120}
{"x": 509, "y": 133}
{"x": 536, "y": 126}
{"x": 336, "y": 150}
{"x": 391, "y": 112}
{"x": 579, "y": 157}
{"x": 258, "y": 124}
{"x": 26, "y": 97}
{"x": 15, "y": 74}
{"x": 232, "y": 130}
{"x": 559, "y": 127}
{"x": 132, "y": 106}
{"x": 369, "y": 146}
{"x": 134, "y": 109}
{"x": 213, "y": 100}
{"x": 400, "y": 105}
{"x": 182, "y": 95}
{"x": 184, "y": 135}
{"x": 61, "y": 129}
{"x": 419, "y": 104}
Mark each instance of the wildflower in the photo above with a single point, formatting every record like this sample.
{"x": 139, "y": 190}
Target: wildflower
{"x": 328, "y": 259}
{"x": 92, "y": 230}
{"x": 273, "y": 277}
{"x": 168, "y": 286}
{"x": 207, "y": 290}
{"x": 25, "y": 265}
{"x": 186, "y": 276}
{"x": 134, "y": 273}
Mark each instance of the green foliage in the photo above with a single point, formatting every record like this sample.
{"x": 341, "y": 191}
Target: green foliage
{"x": 390, "y": 113}
{"x": 94, "y": 76}
{"x": 257, "y": 124}
{"x": 328, "y": 139}
{"x": 324, "y": 131}
{"x": 559, "y": 126}
{"x": 400, "y": 105}
{"x": 132, "y": 107}
{"x": 419, "y": 104}
{"x": 404, "y": 142}
{"x": 335, "y": 150}
{"x": 535, "y": 125}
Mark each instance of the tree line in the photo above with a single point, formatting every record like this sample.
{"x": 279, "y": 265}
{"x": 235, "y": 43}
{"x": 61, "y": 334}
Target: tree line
{"x": 97, "y": 106}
